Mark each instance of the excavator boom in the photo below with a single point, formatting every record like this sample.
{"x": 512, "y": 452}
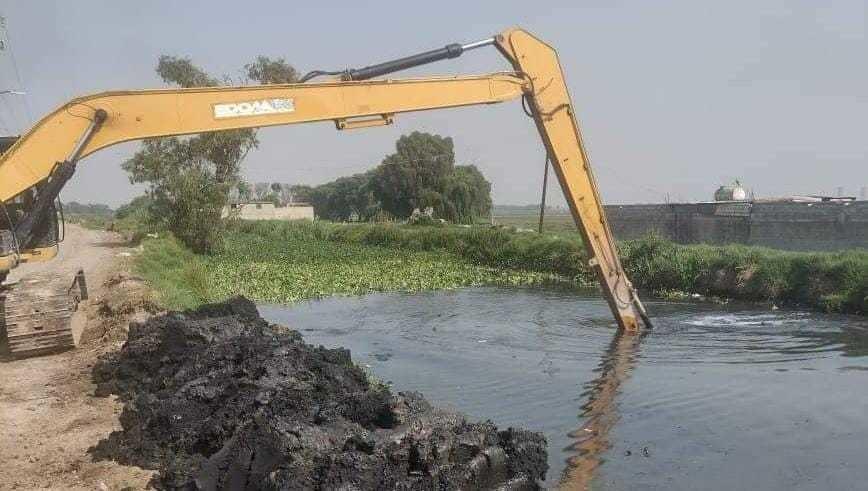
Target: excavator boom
{"x": 42, "y": 160}
{"x": 134, "y": 115}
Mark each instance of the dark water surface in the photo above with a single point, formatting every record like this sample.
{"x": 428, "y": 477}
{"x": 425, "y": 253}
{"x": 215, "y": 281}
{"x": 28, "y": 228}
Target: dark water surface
{"x": 716, "y": 397}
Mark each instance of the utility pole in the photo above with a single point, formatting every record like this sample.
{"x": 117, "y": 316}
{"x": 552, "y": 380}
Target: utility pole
{"x": 542, "y": 205}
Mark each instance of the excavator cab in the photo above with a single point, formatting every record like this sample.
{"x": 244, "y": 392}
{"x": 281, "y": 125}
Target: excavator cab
{"x": 46, "y": 235}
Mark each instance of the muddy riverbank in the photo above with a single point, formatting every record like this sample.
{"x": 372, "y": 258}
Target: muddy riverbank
{"x": 218, "y": 398}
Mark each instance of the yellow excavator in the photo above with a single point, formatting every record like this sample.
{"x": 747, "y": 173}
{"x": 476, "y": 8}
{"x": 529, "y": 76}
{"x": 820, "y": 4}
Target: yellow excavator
{"x": 35, "y": 168}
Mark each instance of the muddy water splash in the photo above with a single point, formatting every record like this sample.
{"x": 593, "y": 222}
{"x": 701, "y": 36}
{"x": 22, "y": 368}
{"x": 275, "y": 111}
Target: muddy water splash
{"x": 716, "y": 397}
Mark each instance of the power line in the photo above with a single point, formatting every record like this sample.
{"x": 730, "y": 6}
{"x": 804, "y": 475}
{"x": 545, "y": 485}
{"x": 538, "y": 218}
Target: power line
{"x": 630, "y": 182}
{"x": 8, "y": 47}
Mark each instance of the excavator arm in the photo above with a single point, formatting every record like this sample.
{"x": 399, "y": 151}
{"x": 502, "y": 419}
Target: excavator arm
{"x": 45, "y": 158}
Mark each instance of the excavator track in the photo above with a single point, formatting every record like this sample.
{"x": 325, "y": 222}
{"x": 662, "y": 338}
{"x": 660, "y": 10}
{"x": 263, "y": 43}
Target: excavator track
{"x": 37, "y": 314}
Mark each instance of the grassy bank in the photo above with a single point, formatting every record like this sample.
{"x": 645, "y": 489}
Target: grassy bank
{"x": 835, "y": 282}
{"x": 280, "y": 262}
{"x": 284, "y": 262}
{"x": 830, "y": 281}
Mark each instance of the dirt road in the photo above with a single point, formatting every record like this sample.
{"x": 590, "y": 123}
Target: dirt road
{"x": 49, "y": 417}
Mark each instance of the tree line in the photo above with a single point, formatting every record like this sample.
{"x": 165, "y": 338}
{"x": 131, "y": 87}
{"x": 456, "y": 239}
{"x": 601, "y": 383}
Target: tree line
{"x": 279, "y": 193}
{"x": 421, "y": 173}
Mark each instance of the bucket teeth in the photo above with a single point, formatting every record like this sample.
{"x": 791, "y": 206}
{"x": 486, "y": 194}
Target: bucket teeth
{"x": 35, "y": 318}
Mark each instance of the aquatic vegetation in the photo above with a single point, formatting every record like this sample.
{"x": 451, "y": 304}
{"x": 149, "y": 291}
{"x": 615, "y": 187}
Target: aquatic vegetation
{"x": 295, "y": 262}
{"x": 828, "y": 281}
{"x": 277, "y": 261}
{"x": 563, "y": 255}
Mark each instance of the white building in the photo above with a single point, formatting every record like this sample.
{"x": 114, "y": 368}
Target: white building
{"x": 265, "y": 210}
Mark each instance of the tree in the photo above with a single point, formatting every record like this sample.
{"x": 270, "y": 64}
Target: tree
{"x": 189, "y": 179}
{"x": 184, "y": 195}
{"x": 415, "y": 176}
{"x": 276, "y": 192}
{"x": 138, "y": 206}
{"x": 301, "y": 193}
{"x": 244, "y": 191}
{"x": 76, "y": 208}
{"x": 267, "y": 71}
{"x": 285, "y": 193}
{"x": 182, "y": 72}
{"x": 261, "y": 190}
{"x": 467, "y": 194}
{"x": 224, "y": 149}
{"x": 343, "y": 197}
{"x": 421, "y": 173}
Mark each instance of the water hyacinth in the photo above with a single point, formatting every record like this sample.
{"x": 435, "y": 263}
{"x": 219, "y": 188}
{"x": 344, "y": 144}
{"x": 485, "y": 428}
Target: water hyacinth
{"x": 297, "y": 263}
{"x": 277, "y": 261}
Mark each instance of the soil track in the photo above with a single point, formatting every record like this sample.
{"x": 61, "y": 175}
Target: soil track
{"x": 49, "y": 417}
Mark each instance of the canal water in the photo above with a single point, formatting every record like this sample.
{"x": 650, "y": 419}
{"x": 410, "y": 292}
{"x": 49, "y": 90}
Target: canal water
{"x": 715, "y": 397}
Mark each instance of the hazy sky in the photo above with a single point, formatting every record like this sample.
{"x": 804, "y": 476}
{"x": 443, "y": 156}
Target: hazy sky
{"x": 674, "y": 97}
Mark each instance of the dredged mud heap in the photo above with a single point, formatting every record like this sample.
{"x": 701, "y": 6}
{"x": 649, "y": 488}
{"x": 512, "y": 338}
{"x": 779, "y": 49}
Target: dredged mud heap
{"x": 218, "y": 398}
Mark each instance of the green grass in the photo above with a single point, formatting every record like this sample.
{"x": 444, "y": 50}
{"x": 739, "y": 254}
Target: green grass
{"x": 551, "y": 223}
{"x": 178, "y": 277}
{"x": 281, "y": 263}
{"x": 289, "y": 261}
{"x": 827, "y": 281}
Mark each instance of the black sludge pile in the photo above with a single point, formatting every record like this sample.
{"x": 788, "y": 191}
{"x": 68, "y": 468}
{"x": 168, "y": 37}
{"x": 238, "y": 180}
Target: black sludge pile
{"x": 220, "y": 399}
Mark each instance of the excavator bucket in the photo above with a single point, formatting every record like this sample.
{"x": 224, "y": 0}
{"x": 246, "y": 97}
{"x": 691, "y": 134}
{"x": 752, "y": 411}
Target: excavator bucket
{"x": 36, "y": 315}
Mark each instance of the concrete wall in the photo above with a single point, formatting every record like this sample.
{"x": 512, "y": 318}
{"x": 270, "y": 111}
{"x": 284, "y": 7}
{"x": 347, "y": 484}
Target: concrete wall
{"x": 783, "y": 225}
{"x": 810, "y": 226}
{"x": 634, "y": 221}
{"x": 267, "y": 211}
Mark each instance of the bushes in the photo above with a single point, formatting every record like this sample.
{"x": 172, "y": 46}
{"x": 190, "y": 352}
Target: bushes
{"x": 835, "y": 282}
{"x": 501, "y": 248}
{"x": 829, "y": 281}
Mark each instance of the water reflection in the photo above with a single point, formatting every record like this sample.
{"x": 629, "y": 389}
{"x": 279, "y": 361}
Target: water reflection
{"x": 600, "y": 411}
{"x": 850, "y": 340}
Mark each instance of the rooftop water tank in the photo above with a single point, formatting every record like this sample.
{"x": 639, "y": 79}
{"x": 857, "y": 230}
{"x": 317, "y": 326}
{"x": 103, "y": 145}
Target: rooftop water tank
{"x": 733, "y": 192}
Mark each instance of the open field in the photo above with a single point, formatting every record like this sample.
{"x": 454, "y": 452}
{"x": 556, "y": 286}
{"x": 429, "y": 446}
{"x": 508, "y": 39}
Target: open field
{"x": 552, "y": 223}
